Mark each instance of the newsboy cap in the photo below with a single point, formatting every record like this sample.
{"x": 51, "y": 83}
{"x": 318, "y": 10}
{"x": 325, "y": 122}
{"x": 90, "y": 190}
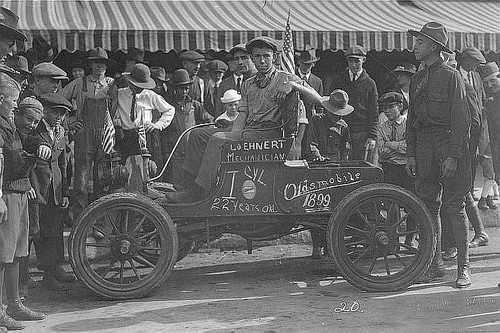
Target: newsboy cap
{"x": 238, "y": 47}
{"x": 31, "y": 103}
{"x": 489, "y": 70}
{"x": 217, "y": 66}
{"x": 472, "y": 52}
{"x": 390, "y": 98}
{"x": 49, "y": 69}
{"x": 55, "y": 101}
{"x": 268, "y": 41}
{"x": 356, "y": 51}
{"x": 192, "y": 56}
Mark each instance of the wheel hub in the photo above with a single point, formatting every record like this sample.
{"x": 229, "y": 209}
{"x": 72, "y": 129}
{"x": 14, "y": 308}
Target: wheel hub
{"x": 123, "y": 247}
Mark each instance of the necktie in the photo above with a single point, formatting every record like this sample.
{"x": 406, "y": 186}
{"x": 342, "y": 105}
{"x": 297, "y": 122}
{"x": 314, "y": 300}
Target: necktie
{"x": 353, "y": 77}
{"x": 133, "y": 114}
{"x": 216, "y": 92}
{"x": 238, "y": 85}
{"x": 393, "y": 131}
{"x": 304, "y": 78}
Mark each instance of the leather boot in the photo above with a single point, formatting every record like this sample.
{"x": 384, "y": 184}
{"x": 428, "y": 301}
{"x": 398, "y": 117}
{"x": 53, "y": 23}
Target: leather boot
{"x": 491, "y": 204}
{"x": 482, "y": 204}
{"x": 9, "y": 323}
{"x": 49, "y": 282}
{"x": 479, "y": 240}
{"x": 18, "y": 311}
{"x": 463, "y": 277}
{"x": 61, "y": 275}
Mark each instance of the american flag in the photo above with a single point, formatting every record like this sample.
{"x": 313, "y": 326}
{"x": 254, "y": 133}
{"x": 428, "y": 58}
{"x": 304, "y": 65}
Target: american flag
{"x": 108, "y": 134}
{"x": 287, "y": 59}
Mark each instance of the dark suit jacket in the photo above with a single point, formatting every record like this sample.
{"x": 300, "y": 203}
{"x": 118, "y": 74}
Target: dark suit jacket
{"x": 317, "y": 84}
{"x": 51, "y": 175}
{"x": 212, "y": 102}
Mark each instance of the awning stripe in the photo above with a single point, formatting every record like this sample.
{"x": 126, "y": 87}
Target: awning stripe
{"x": 219, "y": 24}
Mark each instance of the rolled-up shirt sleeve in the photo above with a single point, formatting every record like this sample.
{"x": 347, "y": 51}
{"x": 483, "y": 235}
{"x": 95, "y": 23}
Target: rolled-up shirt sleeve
{"x": 166, "y": 110}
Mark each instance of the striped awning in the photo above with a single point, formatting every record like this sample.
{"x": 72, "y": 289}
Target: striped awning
{"x": 218, "y": 25}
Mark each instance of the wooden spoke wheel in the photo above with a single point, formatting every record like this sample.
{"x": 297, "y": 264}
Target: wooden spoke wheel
{"x": 112, "y": 242}
{"x": 381, "y": 237}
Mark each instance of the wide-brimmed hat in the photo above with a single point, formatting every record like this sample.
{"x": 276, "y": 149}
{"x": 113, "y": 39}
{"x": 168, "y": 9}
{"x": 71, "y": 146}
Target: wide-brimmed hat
{"x": 337, "y": 103}
{"x": 8, "y": 24}
{"x": 100, "y": 53}
{"x": 390, "y": 98}
{"x": 307, "y": 58}
{"x": 472, "y": 52}
{"x": 180, "y": 78}
{"x": 158, "y": 73}
{"x": 405, "y": 68}
{"x": 229, "y": 96}
{"x": 140, "y": 76}
{"x": 19, "y": 63}
{"x": 435, "y": 32}
{"x": 489, "y": 70}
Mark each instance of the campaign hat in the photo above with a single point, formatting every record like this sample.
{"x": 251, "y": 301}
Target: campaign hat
{"x": 355, "y": 51}
{"x": 229, "y": 96}
{"x": 192, "y": 56}
{"x": 180, "y": 78}
{"x": 472, "y": 52}
{"x": 435, "y": 32}
{"x": 140, "y": 76}
{"x": 31, "y": 103}
{"x": 488, "y": 70}
{"x": 8, "y": 24}
{"x": 270, "y": 42}
{"x": 19, "y": 63}
{"x": 390, "y": 98}
{"x": 337, "y": 103}
{"x": 307, "y": 58}
{"x": 55, "y": 101}
{"x": 238, "y": 47}
{"x": 99, "y": 53}
{"x": 405, "y": 68}
{"x": 217, "y": 66}
{"x": 159, "y": 73}
{"x": 49, "y": 69}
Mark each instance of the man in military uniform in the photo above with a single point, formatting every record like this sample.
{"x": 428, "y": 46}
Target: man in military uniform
{"x": 437, "y": 144}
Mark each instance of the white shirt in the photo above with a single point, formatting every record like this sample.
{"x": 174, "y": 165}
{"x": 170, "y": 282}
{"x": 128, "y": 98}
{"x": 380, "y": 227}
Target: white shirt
{"x": 145, "y": 102}
{"x": 236, "y": 77}
{"x": 301, "y": 75}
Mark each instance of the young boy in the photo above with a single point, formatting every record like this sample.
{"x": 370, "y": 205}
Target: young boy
{"x": 14, "y": 224}
{"x": 229, "y": 101}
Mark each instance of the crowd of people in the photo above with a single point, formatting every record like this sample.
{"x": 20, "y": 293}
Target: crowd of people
{"x": 428, "y": 133}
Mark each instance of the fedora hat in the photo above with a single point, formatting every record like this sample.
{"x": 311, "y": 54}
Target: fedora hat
{"x": 19, "y": 63}
{"x": 307, "y": 58}
{"x": 229, "y": 96}
{"x": 435, "y": 32}
{"x": 406, "y": 68}
{"x": 135, "y": 54}
{"x": 100, "y": 53}
{"x": 180, "y": 78}
{"x": 8, "y": 24}
{"x": 140, "y": 76}
{"x": 488, "y": 70}
{"x": 159, "y": 73}
{"x": 337, "y": 103}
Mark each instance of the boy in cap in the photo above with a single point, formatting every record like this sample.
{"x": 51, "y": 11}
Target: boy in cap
{"x": 47, "y": 78}
{"x": 213, "y": 93}
{"x": 50, "y": 182}
{"x": 437, "y": 149}
{"x": 191, "y": 62}
{"x": 229, "y": 102}
{"x": 134, "y": 115}
{"x": 363, "y": 95}
{"x": 14, "y": 224}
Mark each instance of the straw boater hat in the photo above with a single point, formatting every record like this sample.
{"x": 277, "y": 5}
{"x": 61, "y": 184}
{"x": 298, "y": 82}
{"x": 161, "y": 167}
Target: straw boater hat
{"x": 100, "y": 54}
{"x": 140, "y": 76}
{"x": 230, "y": 96}
{"x": 435, "y": 32}
{"x": 337, "y": 103}
{"x": 180, "y": 78}
{"x": 8, "y": 25}
{"x": 489, "y": 70}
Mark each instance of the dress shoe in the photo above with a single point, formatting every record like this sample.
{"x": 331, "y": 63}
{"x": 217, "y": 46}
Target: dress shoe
{"x": 463, "y": 277}
{"x": 450, "y": 253}
{"x": 491, "y": 204}
{"x": 51, "y": 284}
{"x": 482, "y": 204}
{"x": 18, "y": 311}
{"x": 479, "y": 240}
{"x": 10, "y": 323}
{"x": 433, "y": 274}
{"x": 62, "y": 276}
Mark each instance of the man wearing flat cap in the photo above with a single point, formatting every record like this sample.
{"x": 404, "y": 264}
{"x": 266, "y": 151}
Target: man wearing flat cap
{"x": 49, "y": 179}
{"x": 363, "y": 95}
{"x": 192, "y": 61}
{"x": 47, "y": 79}
{"x": 437, "y": 144}
{"x": 216, "y": 70}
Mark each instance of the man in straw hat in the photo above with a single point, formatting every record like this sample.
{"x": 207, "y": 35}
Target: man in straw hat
{"x": 437, "y": 144}
{"x": 90, "y": 95}
{"x": 139, "y": 107}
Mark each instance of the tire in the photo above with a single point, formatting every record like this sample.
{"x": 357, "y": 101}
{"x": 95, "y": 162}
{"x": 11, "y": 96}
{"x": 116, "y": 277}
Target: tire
{"x": 367, "y": 235}
{"x": 110, "y": 242}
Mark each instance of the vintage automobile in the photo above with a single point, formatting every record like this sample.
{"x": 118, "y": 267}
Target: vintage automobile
{"x": 380, "y": 236}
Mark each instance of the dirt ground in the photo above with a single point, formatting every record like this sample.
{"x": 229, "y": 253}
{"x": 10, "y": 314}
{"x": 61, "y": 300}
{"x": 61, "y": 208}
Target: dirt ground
{"x": 280, "y": 289}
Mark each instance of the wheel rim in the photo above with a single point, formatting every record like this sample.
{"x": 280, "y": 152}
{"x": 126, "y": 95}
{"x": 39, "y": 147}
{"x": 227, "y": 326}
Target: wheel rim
{"x": 116, "y": 246}
{"x": 381, "y": 239}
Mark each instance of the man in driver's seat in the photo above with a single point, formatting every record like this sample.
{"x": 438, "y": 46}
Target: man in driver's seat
{"x": 265, "y": 97}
